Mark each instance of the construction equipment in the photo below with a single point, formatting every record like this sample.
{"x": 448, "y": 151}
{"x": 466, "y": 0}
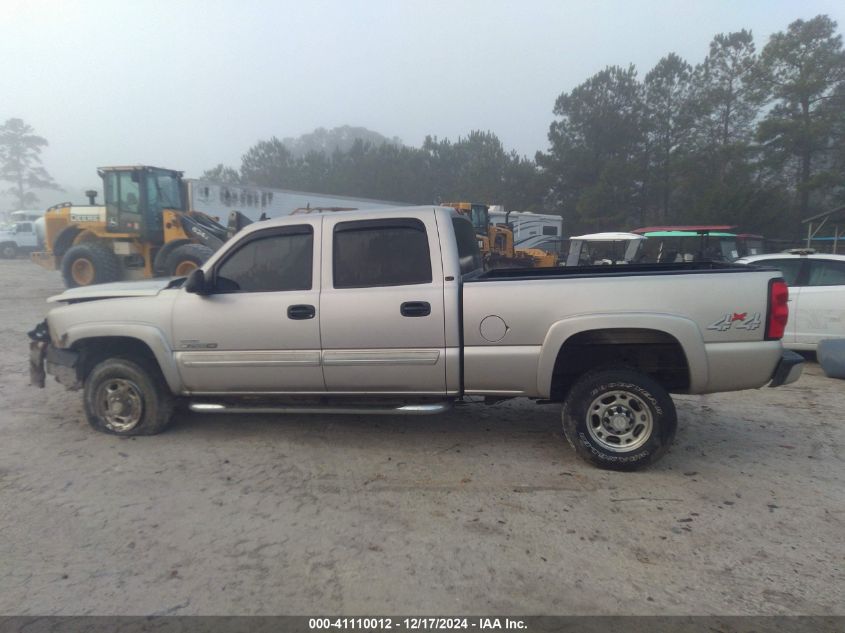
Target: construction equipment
{"x": 496, "y": 241}
{"x": 531, "y": 230}
{"x": 144, "y": 230}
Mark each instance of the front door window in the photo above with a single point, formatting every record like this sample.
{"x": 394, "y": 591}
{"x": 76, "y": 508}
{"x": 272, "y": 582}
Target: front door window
{"x": 259, "y": 330}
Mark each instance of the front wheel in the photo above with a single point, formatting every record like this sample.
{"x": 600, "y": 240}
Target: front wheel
{"x": 8, "y": 250}
{"x": 619, "y": 419}
{"x": 124, "y": 397}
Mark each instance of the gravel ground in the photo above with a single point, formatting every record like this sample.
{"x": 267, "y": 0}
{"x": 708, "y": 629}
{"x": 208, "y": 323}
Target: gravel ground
{"x": 482, "y": 510}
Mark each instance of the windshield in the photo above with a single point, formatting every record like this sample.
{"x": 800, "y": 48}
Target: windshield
{"x": 729, "y": 248}
{"x": 603, "y": 252}
{"x": 751, "y": 247}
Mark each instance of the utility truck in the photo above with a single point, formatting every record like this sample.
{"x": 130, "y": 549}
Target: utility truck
{"x": 21, "y": 237}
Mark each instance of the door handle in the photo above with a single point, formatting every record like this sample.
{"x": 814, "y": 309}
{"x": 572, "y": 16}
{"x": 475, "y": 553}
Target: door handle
{"x": 301, "y": 312}
{"x": 415, "y": 309}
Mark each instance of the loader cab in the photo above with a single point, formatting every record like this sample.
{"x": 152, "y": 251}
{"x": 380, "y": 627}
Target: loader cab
{"x": 135, "y": 198}
{"x": 478, "y": 214}
{"x": 480, "y": 217}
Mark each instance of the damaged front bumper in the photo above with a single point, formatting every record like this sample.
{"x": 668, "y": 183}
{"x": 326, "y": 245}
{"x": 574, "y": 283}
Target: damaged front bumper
{"x": 37, "y": 372}
{"x": 788, "y": 369}
{"x": 45, "y": 359}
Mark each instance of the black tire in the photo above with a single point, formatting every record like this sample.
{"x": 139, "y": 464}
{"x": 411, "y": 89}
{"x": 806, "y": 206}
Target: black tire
{"x": 160, "y": 259}
{"x": 635, "y": 410}
{"x": 104, "y": 265}
{"x": 8, "y": 250}
{"x": 186, "y": 256}
{"x": 141, "y": 396}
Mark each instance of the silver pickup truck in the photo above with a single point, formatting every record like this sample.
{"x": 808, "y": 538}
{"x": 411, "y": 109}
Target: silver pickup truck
{"x": 390, "y": 311}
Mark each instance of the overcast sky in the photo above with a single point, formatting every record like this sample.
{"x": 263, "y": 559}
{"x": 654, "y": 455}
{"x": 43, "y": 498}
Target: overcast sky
{"x": 186, "y": 84}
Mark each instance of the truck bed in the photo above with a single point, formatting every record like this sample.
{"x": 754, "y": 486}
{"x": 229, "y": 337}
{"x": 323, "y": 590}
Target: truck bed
{"x": 713, "y": 312}
{"x": 626, "y": 270}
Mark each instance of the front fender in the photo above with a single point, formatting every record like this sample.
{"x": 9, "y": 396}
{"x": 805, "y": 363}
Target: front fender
{"x": 149, "y": 334}
{"x": 683, "y": 330}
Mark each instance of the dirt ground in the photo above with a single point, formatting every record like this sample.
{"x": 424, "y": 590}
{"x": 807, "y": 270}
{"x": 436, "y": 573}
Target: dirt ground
{"x": 483, "y": 510}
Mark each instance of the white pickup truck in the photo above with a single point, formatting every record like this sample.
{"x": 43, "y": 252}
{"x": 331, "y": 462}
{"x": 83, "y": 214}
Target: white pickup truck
{"x": 390, "y": 311}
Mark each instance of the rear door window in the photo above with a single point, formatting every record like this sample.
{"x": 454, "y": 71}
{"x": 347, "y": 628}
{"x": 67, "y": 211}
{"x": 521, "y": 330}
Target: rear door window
{"x": 370, "y": 253}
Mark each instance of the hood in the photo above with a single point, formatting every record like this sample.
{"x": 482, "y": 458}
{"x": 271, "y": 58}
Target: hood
{"x": 144, "y": 288}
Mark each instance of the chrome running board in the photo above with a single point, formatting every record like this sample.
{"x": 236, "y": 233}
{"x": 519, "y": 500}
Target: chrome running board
{"x": 407, "y": 409}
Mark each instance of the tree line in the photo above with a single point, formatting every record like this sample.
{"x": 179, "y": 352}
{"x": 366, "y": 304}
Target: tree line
{"x": 746, "y": 138}
{"x": 755, "y": 139}
{"x": 475, "y": 167}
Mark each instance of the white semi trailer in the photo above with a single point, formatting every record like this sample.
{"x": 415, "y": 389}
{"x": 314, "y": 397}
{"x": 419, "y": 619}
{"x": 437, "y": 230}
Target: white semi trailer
{"x": 217, "y": 199}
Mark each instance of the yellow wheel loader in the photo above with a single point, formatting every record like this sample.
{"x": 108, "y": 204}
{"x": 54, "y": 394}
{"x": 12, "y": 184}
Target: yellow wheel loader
{"x": 144, "y": 230}
{"x": 496, "y": 241}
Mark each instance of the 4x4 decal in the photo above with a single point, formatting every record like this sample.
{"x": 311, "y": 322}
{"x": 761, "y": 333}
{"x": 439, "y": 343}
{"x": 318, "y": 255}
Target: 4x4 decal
{"x": 742, "y": 319}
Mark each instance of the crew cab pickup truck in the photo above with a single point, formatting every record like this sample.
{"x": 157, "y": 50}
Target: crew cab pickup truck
{"x": 390, "y": 311}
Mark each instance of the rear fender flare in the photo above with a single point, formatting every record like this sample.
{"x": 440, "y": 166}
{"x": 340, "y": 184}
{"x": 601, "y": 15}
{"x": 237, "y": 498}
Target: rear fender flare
{"x": 151, "y": 335}
{"x": 64, "y": 240}
{"x": 685, "y": 331}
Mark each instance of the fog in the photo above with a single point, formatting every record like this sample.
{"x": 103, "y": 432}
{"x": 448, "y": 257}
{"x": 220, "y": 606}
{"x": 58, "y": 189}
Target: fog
{"x": 192, "y": 84}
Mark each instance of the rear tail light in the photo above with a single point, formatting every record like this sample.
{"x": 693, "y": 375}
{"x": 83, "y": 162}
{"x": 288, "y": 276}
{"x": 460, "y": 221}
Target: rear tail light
{"x": 778, "y": 310}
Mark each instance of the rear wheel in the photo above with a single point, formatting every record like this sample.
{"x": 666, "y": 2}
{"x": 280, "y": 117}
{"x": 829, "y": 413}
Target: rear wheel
{"x": 619, "y": 419}
{"x": 90, "y": 263}
{"x": 125, "y": 397}
{"x": 187, "y": 258}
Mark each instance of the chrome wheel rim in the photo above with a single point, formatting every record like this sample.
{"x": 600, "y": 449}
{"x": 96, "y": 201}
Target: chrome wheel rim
{"x": 120, "y": 404}
{"x": 619, "y": 421}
